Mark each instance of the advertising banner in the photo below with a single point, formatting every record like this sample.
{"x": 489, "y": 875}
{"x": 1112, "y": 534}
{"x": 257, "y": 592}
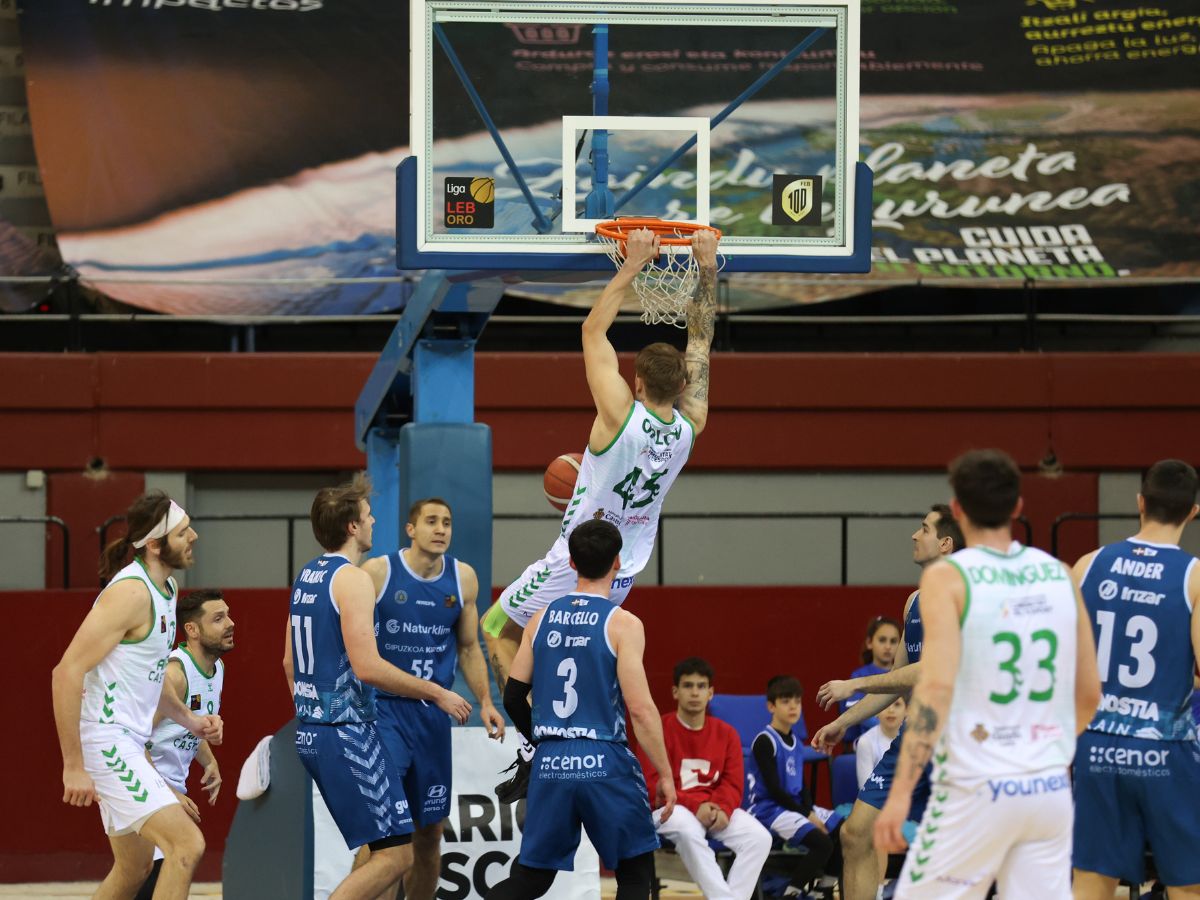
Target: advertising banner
{"x": 237, "y": 156}
{"x": 482, "y": 836}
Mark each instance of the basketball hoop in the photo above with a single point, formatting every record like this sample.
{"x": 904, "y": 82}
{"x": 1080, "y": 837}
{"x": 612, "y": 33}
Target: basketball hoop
{"x": 666, "y": 284}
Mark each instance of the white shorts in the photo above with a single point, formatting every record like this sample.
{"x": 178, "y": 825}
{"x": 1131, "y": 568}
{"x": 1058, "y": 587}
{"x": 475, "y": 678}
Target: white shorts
{"x": 789, "y": 824}
{"x": 129, "y": 789}
{"x": 545, "y": 581}
{"x": 1015, "y": 830}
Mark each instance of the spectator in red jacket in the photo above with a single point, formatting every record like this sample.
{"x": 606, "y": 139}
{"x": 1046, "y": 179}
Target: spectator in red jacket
{"x": 706, "y": 757}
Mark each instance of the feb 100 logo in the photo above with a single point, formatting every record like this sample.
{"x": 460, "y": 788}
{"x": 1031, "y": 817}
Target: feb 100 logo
{"x": 796, "y": 200}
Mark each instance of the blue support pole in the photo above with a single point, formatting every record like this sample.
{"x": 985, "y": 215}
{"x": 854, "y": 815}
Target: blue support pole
{"x": 720, "y": 117}
{"x": 600, "y": 202}
{"x": 444, "y": 381}
{"x": 415, "y": 419}
{"x": 383, "y": 465}
{"x": 540, "y": 222}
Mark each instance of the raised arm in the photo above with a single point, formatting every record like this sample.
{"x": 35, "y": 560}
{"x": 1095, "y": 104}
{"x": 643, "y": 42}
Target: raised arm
{"x": 470, "y": 656}
{"x": 943, "y": 594}
{"x": 701, "y": 321}
{"x": 610, "y": 391}
{"x": 355, "y": 595}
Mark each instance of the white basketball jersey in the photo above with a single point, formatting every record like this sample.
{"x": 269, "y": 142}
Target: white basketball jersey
{"x": 122, "y": 691}
{"x": 627, "y": 481}
{"x": 1014, "y": 698}
{"x": 172, "y": 747}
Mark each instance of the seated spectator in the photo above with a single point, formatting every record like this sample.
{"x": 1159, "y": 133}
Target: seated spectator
{"x": 706, "y": 757}
{"x": 878, "y": 654}
{"x": 779, "y": 799}
{"x": 874, "y": 742}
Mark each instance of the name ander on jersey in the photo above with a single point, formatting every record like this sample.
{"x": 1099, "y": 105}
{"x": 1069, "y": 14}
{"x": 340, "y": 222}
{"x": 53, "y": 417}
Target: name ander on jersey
{"x": 1129, "y": 708}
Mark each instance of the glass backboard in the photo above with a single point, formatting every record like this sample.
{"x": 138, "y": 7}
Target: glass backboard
{"x": 533, "y": 121}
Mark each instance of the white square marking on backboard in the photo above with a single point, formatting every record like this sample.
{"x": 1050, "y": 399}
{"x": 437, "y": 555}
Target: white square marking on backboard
{"x": 686, "y": 125}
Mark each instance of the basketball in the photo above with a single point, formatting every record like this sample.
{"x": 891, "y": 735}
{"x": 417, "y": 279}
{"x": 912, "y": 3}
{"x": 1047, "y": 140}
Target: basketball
{"x": 482, "y": 189}
{"x": 559, "y": 480}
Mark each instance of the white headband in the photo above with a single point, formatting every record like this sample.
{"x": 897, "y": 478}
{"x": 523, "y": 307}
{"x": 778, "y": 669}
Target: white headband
{"x": 165, "y": 526}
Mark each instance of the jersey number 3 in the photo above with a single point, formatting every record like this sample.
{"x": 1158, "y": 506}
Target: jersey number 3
{"x": 570, "y": 701}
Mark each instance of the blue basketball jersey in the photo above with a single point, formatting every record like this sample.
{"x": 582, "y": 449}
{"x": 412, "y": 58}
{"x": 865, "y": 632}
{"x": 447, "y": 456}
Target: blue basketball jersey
{"x": 327, "y": 691}
{"x": 789, "y": 764}
{"x": 575, "y": 689}
{"x": 1136, "y": 596}
{"x": 914, "y": 631}
{"x": 418, "y": 619}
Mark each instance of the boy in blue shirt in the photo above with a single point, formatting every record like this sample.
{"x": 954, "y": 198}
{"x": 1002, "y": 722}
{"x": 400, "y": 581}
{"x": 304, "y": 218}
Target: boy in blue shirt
{"x": 775, "y": 781}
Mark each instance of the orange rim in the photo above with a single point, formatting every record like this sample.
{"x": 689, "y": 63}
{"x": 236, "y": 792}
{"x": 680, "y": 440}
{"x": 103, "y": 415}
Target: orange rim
{"x": 619, "y": 230}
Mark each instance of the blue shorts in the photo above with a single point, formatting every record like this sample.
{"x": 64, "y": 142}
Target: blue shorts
{"x": 596, "y": 784}
{"x": 875, "y": 790}
{"x": 416, "y": 736}
{"x": 1130, "y": 792}
{"x": 356, "y": 778}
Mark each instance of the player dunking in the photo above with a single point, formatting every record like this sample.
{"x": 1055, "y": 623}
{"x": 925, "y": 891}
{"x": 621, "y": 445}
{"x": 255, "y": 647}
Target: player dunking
{"x": 196, "y": 675}
{"x": 938, "y": 536}
{"x": 106, "y": 690}
{"x": 1008, "y": 680}
{"x": 1137, "y": 771}
{"x": 639, "y": 442}
{"x": 582, "y": 658}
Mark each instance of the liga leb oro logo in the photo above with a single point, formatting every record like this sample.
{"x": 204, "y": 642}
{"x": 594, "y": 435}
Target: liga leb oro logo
{"x": 470, "y": 202}
{"x": 796, "y": 200}
{"x": 195, "y": 702}
{"x": 451, "y": 599}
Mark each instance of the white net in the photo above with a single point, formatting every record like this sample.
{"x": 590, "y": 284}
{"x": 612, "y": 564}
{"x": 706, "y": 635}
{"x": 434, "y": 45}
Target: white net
{"x": 664, "y": 286}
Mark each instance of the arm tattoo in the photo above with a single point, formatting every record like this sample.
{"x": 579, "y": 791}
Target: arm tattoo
{"x": 701, "y": 318}
{"x": 702, "y": 311}
{"x": 919, "y": 738}
{"x": 926, "y": 720}
{"x": 697, "y": 375}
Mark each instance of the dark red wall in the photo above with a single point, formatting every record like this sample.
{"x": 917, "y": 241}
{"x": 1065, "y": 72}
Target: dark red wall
{"x": 813, "y": 411}
{"x": 749, "y": 634}
{"x": 85, "y": 500}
